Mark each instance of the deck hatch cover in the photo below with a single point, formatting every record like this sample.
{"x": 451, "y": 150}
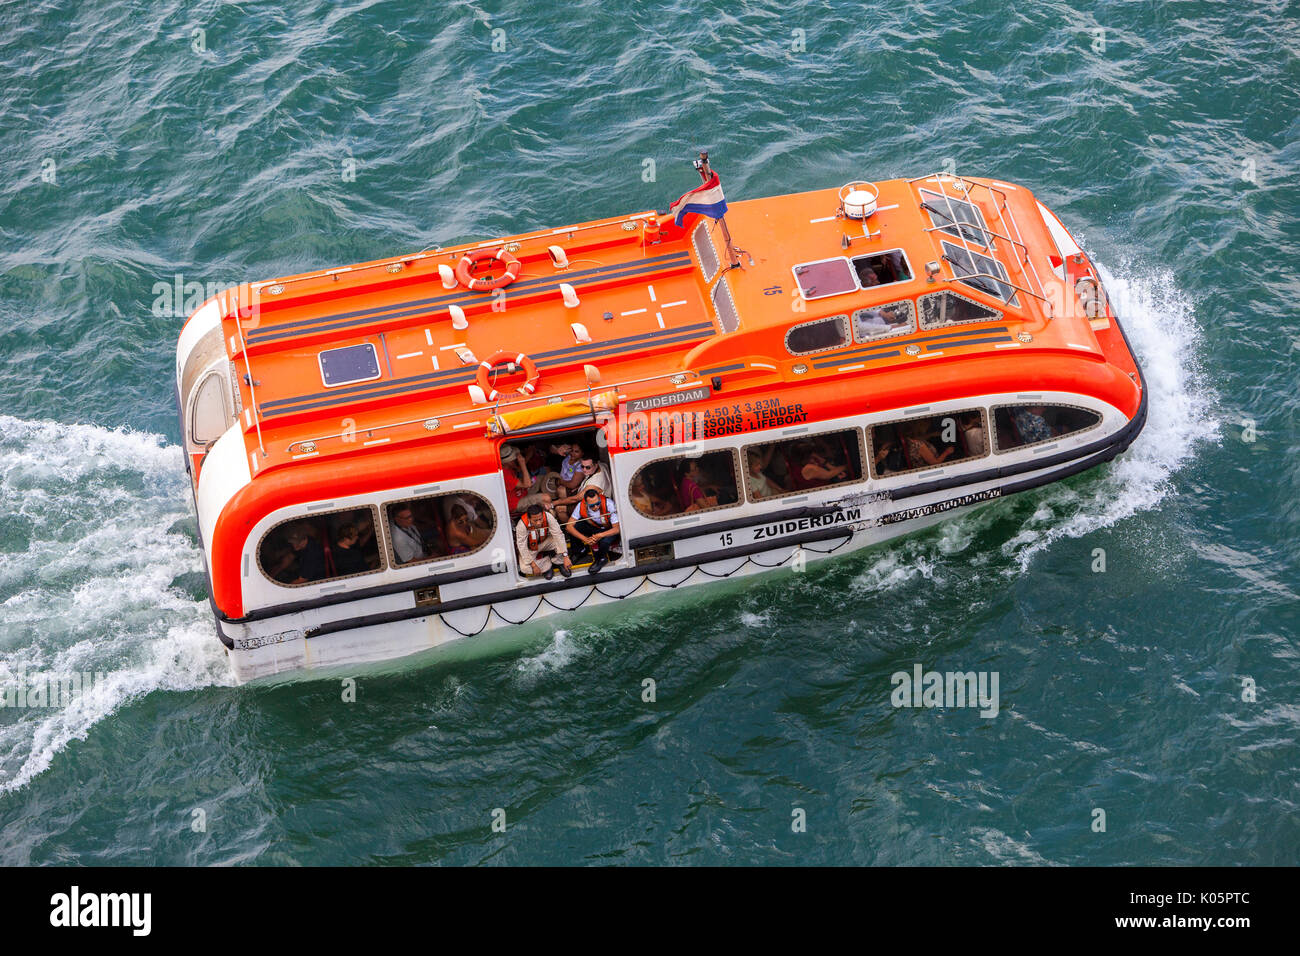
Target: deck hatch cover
{"x": 349, "y": 365}
{"x": 825, "y": 277}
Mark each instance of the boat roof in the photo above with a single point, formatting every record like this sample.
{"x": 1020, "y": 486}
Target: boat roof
{"x": 333, "y": 363}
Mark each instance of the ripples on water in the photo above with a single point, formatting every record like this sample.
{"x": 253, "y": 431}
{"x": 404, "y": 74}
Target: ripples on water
{"x": 1119, "y": 690}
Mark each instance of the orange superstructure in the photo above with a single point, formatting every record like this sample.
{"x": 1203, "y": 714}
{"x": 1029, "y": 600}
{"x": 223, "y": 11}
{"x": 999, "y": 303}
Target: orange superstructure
{"x": 352, "y": 381}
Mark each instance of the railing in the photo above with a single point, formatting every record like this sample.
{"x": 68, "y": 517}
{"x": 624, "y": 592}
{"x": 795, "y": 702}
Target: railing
{"x": 1022, "y": 260}
{"x": 350, "y": 434}
{"x": 252, "y": 392}
{"x": 453, "y": 251}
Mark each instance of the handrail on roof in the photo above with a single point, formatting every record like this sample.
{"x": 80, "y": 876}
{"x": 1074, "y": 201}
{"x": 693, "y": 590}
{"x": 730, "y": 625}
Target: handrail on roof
{"x": 966, "y": 186}
{"x": 452, "y": 251}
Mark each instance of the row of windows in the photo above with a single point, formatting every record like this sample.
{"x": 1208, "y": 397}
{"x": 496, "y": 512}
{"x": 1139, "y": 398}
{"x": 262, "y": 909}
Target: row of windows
{"x": 344, "y": 543}
{"x": 347, "y": 542}
{"x": 675, "y": 486}
{"x": 938, "y": 309}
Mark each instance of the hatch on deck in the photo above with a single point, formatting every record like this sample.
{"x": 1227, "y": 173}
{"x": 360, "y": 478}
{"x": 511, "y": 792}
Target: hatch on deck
{"x": 349, "y": 365}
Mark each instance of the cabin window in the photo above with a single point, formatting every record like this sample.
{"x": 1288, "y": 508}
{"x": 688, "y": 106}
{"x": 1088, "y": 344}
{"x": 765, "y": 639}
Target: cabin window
{"x": 321, "y": 547}
{"x": 209, "y": 419}
{"x": 955, "y": 217}
{"x": 818, "y": 336}
{"x": 1021, "y": 425}
{"x": 725, "y": 306}
{"x": 948, "y": 308}
{"x": 882, "y": 268}
{"x": 913, "y": 444}
{"x": 680, "y": 485}
{"x": 979, "y": 272}
{"x": 348, "y": 365}
{"x": 882, "y": 321}
{"x": 708, "y": 256}
{"x": 437, "y": 526}
{"x": 773, "y": 469}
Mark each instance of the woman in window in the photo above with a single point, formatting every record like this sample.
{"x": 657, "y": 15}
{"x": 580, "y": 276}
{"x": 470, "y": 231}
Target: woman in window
{"x": 920, "y": 450}
{"x": 815, "y": 469}
{"x": 690, "y": 493}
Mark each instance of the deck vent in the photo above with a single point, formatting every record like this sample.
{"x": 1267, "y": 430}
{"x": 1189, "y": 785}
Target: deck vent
{"x": 349, "y": 365}
{"x": 448, "y": 277}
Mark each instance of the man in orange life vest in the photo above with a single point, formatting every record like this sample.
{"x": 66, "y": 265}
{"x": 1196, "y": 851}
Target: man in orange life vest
{"x": 541, "y": 544}
{"x": 595, "y": 524}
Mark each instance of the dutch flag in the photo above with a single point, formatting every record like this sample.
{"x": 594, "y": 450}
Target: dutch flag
{"x": 705, "y": 199}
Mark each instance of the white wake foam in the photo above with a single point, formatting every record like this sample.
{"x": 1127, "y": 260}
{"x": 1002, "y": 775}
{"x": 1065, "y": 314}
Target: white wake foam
{"x": 87, "y": 557}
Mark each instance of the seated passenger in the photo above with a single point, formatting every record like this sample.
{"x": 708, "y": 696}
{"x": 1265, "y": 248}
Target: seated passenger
{"x": 920, "y": 450}
{"x": 690, "y": 493}
{"x": 521, "y": 490}
{"x": 760, "y": 486}
{"x": 815, "y": 469}
{"x": 593, "y": 474}
{"x": 595, "y": 524}
{"x": 540, "y": 544}
{"x": 308, "y": 554}
{"x": 889, "y": 455}
{"x": 1032, "y": 424}
{"x": 348, "y": 558}
{"x": 972, "y": 434}
{"x": 409, "y": 542}
{"x": 644, "y": 501}
{"x": 462, "y": 535}
{"x": 571, "y": 475}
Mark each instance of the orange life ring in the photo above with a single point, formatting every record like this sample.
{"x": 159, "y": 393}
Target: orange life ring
{"x": 487, "y": 283}
{"x": 513, "y": 358}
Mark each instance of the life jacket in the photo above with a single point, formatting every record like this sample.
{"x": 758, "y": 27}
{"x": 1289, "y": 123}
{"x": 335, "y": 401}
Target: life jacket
{"x": 538, "y": 531}
{"x": 600, "y": 519}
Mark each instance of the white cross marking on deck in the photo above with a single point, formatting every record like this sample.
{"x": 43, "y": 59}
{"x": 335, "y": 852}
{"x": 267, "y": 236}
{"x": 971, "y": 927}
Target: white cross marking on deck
{"x": 410, "y": 355}
{"x": 454, "y": 345}
{"x": 669, "y": 305}
{"x": 632, "y": 312}
{"x": 660, "y": 317}
{"x": 428, "y": 337}
{"x": 435, "y": 360}
{"x": 652, "y": 292}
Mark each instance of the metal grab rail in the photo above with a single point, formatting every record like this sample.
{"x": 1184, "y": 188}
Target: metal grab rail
{"x": 453, "y": 251}
{"x": 967, "y": 186}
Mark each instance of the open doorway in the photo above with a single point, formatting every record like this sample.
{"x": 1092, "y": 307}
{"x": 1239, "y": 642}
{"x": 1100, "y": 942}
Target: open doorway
{"x": 563, "y": 508}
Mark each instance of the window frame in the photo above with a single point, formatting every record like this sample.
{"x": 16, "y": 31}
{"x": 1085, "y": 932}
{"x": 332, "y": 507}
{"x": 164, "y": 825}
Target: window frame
{"x": 950, "y": 249}
{"x": 731, "y": 299}
{"x": 736, "y": 474}
{"x": 998, "y": 314}
{"x": 384, "y": 507}
{"x": 949, "y": 230}
{"x": 907, "y": 263}
{"x": 909, "y": 328}
{"x": 701, "y": 239}
{"x": 374, "y": 517}
{"x": 993, "y": 437}
{"x": 849, "y": 429}
{"x": 846, "y": 341}
{"x": 955, "y": 415}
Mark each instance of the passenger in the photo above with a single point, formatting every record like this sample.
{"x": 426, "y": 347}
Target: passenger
{"x": 868, "y": 277}
{"x": 409, "y": 543}
{"x": 815, "y": 468}
{"x": 571, "y": 475}
{"x": 889, "y": 455}
{"x": 1032, "y": 424}
{"x": 972, "y": 434}
{"x": 463, "y": 535}
{"x": 760, "y": 486}
{"x": 309, "y": 554}
{"x": 594, "y": 475}
{"x": 348, "y": 558}
{"x": 690, "y": 495}
{"x": 540, "y": 544}
{"x": 520, "y": 488}
{"x": 595, "y": 524}
{"x": 646, "y": 502}
{"x": 919, "y": 448}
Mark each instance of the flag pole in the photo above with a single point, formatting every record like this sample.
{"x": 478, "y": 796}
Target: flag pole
{"x": 706, "y": 173}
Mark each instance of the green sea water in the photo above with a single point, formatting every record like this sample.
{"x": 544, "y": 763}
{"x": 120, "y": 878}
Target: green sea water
{"x": 146, "y": 143}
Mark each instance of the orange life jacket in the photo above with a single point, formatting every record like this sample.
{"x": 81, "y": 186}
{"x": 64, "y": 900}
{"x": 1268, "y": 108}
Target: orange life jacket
{"x": 538, "y": 531}
{"x": 601, "y": 519}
